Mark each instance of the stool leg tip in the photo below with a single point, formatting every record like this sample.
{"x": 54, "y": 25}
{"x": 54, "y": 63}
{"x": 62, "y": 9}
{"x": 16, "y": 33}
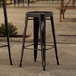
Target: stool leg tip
{"x": 20, "y": 65}
{"x": 11, "y": 63}
{"x": 34, "y": 60}
{"x": 44, "y": 69}
{"x": 58, "y": 63}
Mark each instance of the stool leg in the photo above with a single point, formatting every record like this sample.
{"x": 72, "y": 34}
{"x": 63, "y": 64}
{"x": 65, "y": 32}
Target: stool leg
{"x": 60, "y": 15}
{"x": 14, "y": 3}
{"x": 43, "y": 40}
{"x": 8, "y": 45}
{"x": 36, "y": 32}
{"x": 25, "y": 29}
{"x": 53, "y": 31}
{"x": 6, "y": 25}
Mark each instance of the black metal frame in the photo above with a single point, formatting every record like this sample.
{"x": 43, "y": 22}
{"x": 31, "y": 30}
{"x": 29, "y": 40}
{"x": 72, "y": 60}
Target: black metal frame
{"x": 7, "y": 35}
{"x": 31, "y": 44}
{"x": 39, "y": 21}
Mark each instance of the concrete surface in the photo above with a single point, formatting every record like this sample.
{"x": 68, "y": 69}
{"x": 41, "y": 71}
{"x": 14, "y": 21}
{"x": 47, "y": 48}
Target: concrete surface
{"x": 67, "y": 58}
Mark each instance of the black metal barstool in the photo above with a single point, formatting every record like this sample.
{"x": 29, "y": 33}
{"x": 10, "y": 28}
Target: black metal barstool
{"x": 7, "y": 35}
{"x": 39, "y": 18}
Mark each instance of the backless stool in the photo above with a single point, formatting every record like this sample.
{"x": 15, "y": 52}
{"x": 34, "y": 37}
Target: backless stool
{"x": 39, "y": 18}
{"x": 7, "y": 35}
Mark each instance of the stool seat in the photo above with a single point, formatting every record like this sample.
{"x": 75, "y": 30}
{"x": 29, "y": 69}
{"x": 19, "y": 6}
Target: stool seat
{"x": 38, "y": 13}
